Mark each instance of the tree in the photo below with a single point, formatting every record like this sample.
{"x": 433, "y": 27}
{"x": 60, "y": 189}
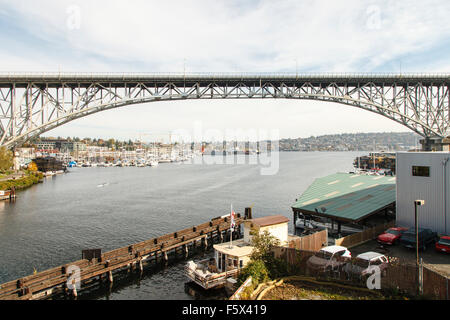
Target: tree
{"x": 6, "y": 159}
{"x": 111, "y": 143}
{"x": 32, "y": 166}
{"x": 263, "y": 242}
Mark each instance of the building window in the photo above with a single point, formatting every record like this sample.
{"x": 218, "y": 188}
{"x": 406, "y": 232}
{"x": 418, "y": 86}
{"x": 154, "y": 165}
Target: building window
{"x": 418, "y": 171}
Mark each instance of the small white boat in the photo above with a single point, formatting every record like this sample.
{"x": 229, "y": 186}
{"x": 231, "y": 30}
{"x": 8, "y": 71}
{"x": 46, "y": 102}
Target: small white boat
{"x": 154, "y": 163}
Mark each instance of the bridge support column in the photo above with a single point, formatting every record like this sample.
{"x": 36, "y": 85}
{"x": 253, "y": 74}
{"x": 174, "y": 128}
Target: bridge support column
{"x": 435, "y": 144}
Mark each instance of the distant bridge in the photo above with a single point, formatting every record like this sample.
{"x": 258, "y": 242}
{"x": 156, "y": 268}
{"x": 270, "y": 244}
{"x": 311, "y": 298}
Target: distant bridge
{"x": 33, "y": 103}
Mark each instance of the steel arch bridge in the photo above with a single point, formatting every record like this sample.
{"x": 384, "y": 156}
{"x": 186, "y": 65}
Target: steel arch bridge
{"x": 31, "y": 104}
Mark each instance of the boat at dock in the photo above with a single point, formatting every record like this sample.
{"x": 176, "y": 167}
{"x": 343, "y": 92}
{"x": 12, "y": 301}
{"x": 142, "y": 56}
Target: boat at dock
{"x": 7, "y": 194}
{"x": 46, "y": 164}
{"x": 230, "y": 257}
{"x": 376, "y": 162}
{"x": 153, "y": 163}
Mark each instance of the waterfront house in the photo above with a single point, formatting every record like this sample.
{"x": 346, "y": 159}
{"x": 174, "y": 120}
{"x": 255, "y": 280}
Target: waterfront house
{"x": 230, "y": 257}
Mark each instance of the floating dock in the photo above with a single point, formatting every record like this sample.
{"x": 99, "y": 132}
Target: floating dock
{"x": 96, "y": 267}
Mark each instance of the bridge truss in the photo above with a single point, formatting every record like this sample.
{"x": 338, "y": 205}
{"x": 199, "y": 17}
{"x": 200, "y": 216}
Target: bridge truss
{"x": 31, "y": 104}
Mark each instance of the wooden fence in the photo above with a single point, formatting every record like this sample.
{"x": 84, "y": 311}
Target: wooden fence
{"x": 435, "y": 284}
{"x": 399, "y": 275}
{"x": 363, "y": 236}
{"x": 312, "y": 242}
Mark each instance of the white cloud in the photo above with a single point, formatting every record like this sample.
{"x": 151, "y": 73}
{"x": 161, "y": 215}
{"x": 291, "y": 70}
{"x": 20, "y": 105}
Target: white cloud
{"x": 223, "y": 36}
{"x": 217, "y": 36}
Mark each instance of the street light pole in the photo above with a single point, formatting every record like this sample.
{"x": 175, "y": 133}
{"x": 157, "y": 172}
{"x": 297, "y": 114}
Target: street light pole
{"x": 416, "y": 204}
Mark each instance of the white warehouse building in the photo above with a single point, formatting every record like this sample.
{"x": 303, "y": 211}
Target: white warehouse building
{"x": 424, "y": 176}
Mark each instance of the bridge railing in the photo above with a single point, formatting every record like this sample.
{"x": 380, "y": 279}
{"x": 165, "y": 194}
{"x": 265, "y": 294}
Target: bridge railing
{"x": 211, "y": 75}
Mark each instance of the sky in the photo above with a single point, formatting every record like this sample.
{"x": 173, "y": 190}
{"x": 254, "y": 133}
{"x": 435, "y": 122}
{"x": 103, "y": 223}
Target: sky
{"x": 225, "y": 36}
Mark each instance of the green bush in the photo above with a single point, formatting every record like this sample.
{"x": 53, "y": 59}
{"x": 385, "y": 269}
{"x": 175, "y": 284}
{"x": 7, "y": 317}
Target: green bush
{"x": 21, "y": 183}
{"x": 277, "y": 268}
{"x": 257, "y": 270}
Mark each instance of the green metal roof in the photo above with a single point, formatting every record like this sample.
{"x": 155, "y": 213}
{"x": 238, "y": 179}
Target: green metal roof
{"x": 347, "y": 196}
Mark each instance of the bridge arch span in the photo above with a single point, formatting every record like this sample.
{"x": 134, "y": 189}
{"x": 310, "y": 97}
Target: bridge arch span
{"x": 30, "y": 106}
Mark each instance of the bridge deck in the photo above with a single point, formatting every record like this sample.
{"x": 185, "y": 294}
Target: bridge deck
{"x": 189, "y": 79}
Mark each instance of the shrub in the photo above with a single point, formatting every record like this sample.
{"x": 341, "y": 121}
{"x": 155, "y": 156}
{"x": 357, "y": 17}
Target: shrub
{"x": 6, "y": 159}
{"x": 257, "y": 270}
{"x": 21, "y": 183}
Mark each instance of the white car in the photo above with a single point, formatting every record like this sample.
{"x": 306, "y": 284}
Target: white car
{"x": 365, "y": 264}
{"x": 329, "y": 258}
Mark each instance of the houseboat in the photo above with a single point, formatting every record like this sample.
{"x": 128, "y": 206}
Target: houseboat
{"x": 230, "y": 257}
{"x": 46, "y": 164}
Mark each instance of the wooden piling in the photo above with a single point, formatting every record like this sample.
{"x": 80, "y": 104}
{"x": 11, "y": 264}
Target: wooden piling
{"x": 74, "y": 291}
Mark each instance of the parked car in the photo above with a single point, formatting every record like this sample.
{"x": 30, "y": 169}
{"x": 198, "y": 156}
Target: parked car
{"x": 391, "y": 235}
{"x": 426, "y": 237}
{"x": 443, "y": 244}
{"x": 329, "y": 258}
{"x": 364, "y": 264}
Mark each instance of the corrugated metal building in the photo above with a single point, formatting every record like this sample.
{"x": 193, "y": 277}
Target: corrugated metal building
{"x": 347, "y": 198}
{"x": 424, "y": 176}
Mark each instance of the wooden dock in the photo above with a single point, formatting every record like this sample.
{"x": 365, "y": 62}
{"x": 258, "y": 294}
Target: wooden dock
{"x": 98, "y": 267}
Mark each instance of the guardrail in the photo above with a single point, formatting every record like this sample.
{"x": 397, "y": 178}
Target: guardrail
{"x": 216, "y": 75}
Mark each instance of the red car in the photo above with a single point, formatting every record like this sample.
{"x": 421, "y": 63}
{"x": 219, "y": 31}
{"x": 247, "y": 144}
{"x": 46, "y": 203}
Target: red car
{"x": 443, "y": 245}
{"x": 391, "y": 235}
